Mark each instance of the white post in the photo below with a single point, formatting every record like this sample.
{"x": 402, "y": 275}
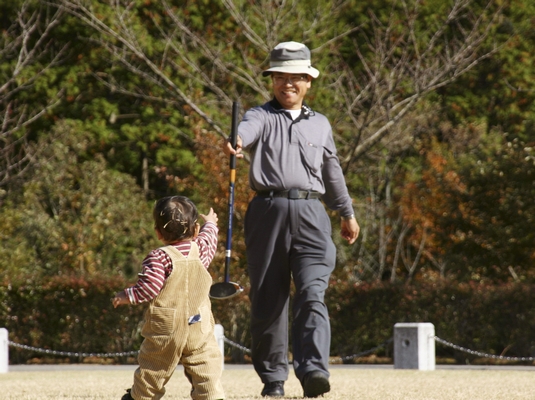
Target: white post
{"x": 4, "y": 350}
{"x": 219, "y": 333}
{"x": 414, "y": 346}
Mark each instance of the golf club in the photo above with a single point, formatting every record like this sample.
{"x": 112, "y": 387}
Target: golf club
{"x": 227, "y": 289}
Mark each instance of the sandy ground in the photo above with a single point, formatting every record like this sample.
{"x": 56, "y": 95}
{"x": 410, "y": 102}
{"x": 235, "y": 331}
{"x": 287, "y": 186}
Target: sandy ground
{"x": 241, "y": 382}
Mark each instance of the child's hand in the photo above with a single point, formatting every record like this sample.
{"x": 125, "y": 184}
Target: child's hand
{"x": 120, "y": 299}
{"x": 210, "y": 217}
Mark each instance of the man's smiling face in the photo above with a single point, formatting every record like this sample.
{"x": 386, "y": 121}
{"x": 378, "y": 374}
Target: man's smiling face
{"x": 290, "y": 89}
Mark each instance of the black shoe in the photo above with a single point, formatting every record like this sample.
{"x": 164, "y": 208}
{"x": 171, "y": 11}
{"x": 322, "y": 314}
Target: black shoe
{"x": 127, "y": 396}
{"x": 273, "y": 389}
{"x": 315, "y": 384}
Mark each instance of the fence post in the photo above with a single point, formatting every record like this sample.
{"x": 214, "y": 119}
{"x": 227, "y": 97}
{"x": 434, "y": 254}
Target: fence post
{"x": 4, "y": 350}
{"x": 414, "y": 346}
{"x": 219, "y": 333}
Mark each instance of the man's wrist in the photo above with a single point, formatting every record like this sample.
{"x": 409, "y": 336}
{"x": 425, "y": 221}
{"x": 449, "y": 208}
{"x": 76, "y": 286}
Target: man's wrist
{"x": 347, "y": 217}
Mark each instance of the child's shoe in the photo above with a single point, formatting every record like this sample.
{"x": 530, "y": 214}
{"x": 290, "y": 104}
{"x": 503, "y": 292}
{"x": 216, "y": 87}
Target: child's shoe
{"x": 127, "y": 396}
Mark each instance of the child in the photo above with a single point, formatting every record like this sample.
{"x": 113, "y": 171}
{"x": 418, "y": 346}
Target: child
{"x": 179, "y": 326}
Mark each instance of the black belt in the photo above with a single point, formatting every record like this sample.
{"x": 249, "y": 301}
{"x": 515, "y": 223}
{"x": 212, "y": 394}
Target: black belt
{"x": 293, "y": 194}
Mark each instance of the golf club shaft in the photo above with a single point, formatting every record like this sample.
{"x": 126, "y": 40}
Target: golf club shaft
{"x": 232, "y": 180}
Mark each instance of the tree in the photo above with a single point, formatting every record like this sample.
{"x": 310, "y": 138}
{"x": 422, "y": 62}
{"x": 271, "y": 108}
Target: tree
{"x": 477, "y": 209}
{"x": 75, "y": 216}
{"x": 29, "y": 54}
{"x": 162, "y": 95}
{"x": 401, "y": 54}
{"x": 203, "y": 66}
{"x": 378, "y": 62}
{"x": 500, "y": 91}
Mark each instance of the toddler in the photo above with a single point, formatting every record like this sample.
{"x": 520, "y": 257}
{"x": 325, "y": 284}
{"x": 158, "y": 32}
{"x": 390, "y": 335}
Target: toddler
{"x": 178, "y": 324}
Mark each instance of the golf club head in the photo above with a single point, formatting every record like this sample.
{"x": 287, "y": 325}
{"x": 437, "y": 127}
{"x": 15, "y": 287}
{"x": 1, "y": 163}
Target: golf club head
{"x": 225, "y": 290}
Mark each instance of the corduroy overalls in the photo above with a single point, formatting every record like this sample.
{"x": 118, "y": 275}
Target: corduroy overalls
{"x": 173, "y": 333}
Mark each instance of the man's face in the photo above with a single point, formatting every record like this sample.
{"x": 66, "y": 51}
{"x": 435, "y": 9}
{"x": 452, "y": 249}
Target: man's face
{"x": 290, "y": 89}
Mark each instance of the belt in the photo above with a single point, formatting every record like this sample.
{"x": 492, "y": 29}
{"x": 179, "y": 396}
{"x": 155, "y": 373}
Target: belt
{"x": 293, "y": 194}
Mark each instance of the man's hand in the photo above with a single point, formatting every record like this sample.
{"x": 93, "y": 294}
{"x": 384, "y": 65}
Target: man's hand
{"x": 350, "y": 230}
{"x": 227, "y": 148}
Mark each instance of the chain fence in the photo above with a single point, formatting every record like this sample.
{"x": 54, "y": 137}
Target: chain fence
{"x": 480, "y": 354}
{"x": 248, "y": 351}
{"x": 237, "y": 346}
{"x": 72, "y": 354}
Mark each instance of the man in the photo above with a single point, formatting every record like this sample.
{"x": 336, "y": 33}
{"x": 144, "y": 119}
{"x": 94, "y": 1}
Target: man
{"x": 287, "y": 231}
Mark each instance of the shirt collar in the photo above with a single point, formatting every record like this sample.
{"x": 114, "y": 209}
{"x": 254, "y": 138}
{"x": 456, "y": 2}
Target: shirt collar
{"x": 306, "y": 111}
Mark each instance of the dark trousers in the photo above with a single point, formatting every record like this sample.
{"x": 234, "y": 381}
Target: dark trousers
{"x": 285, "y": 240}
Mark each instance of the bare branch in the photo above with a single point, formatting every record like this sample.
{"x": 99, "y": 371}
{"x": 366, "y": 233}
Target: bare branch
{"x": 248, "y": 31}
{"x": 27, "y": 42}
{"x": 128, "y": 39}
{"x": 400, "y": 67}
{"x": 412, "y": 268}
{"x": 398, "y": 250}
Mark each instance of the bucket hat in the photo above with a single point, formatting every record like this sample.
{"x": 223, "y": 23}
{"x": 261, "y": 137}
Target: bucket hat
{"x": 291, "y": 58}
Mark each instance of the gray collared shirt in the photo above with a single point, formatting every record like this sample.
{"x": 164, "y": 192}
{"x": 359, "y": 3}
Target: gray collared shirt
{"x": 298, "y": 153}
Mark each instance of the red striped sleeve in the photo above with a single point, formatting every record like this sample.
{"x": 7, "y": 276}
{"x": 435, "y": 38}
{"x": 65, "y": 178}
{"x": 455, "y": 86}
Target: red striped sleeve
{"x": 207, "y": 242}
{"x": 156, "y": 268}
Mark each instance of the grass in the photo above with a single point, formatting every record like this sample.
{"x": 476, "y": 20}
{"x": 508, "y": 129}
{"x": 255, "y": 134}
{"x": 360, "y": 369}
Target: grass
{"x": 243, "y": 383}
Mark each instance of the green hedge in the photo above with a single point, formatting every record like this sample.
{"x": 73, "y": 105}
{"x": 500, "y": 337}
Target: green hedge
{"x": 498, "y": 320}
{"x": 76, "y": 315}
{"x": 70, "y": 315}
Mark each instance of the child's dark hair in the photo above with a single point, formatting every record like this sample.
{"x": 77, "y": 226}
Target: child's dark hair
{"x": 175, "y": 217}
